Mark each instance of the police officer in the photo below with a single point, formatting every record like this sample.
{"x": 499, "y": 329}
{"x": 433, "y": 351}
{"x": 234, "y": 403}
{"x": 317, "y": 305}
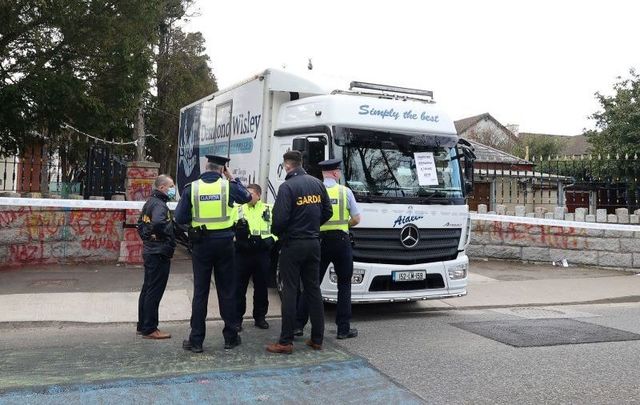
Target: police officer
{"x": 207, "y": 205}
{"x": 336, "y": 248}
{"x": 302, "y": 205}
{"x": 155, "y": 227}
{"x": 253, "y": 246}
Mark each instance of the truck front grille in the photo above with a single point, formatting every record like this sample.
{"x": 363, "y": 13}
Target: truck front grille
{"x": 384, "y": 246}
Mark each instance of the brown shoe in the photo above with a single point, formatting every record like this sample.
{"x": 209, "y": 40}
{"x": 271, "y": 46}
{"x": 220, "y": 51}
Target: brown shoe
{"x": 278, "y": 348}
{"x": 157, "y": 334}
{"x": 312, "y": 345}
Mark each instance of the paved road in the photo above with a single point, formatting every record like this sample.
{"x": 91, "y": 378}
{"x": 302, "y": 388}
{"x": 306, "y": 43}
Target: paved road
{"x": 444, "y": 364}
{"x": 502, "y": 343}
{"x": 403, "y": 357}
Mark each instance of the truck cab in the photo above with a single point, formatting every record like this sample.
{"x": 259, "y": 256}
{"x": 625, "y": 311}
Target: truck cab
{"x": 409, "y": 172}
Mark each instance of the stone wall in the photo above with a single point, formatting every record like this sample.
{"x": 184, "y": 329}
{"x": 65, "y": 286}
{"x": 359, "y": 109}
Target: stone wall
{"x": 622, "y": 215}
{"x": 140, "y": 178}
{"x": 34, "y": 235}
{"x": 31, "y": 235}
{"x": 544, "y": 243}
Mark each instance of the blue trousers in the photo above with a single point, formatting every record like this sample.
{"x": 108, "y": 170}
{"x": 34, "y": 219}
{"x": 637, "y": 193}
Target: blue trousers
{"x": 213, "y": 255}
{"x": 336, "y": 249}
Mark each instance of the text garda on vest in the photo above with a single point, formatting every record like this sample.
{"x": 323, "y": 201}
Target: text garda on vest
{"x": 308, "y": 199}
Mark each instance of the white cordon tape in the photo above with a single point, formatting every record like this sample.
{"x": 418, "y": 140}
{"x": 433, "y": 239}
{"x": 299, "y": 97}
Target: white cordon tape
{"x": 554, "y": 222}
{"x": 137, "y": 205}
{"x": 60, "y": 203}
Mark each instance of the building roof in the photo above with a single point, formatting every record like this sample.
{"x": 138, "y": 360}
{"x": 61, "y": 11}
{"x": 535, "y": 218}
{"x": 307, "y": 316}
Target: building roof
{"x": 486, "y": 153}
{"x": 466, "y": 123}
{"x": 571, "y": 144}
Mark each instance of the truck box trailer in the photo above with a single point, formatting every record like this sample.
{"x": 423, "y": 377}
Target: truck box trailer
{"x": 402, "y": 158}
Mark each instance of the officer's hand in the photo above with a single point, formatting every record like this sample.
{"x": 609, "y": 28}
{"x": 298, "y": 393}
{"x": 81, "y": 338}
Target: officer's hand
{"x": 227, "y": 173}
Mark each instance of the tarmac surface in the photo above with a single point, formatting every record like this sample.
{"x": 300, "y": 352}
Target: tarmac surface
{"x": 105, "y": 293}
{"x": 69, "y": 337}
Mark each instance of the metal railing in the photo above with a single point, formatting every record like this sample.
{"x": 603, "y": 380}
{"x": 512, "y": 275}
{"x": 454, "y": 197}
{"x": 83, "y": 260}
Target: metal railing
{"x": 100, "y": 174}
{"x": 586, "y": 181}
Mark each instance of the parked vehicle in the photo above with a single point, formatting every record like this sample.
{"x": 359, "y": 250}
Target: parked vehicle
{"x": 401, "y": 155}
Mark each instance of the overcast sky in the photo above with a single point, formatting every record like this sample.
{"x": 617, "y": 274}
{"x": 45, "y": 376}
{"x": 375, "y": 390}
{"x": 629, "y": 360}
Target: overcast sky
{"x": 536, "y": 63}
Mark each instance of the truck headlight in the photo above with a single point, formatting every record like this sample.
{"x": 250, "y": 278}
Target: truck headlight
{"x": 356, "y": 278}
{"x": 458, "y": 271}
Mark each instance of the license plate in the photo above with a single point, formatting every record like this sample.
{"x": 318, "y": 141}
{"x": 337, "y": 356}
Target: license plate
{"x": 418, "y": 275}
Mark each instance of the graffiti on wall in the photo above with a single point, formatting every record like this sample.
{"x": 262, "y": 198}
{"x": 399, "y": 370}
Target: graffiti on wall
{"x": 509, "y": 233}
{"x": 40, "y": 236}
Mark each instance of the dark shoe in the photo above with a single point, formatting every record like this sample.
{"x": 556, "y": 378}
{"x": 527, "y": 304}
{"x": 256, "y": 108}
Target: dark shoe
{"x": 187, "y": 345}
{"x": 239, "y": 328}
{"x": 230, "y": 344}
{"x": 157, "y": 334}
{"x": 312, "y": 345}
{"x": 262, "y": 324}
{"x": 278, "y": 348}
{"x": 350, "y": 334}
{"x": 298, "y": 332}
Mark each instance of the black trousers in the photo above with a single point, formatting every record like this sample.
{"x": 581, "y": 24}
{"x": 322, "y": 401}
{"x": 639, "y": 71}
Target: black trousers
{"x": 217, "y": 255}
{"x": 253, "y": 264}
{"x": 336, "y": 249}
{"x": 156, "y": 274}
{"x": 299, "y": 261}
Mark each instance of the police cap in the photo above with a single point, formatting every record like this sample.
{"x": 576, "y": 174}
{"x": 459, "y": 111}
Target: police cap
{"x": 330, "y": 164}
{"x": 219, "y": 160}
{"x": 294, "y": 155}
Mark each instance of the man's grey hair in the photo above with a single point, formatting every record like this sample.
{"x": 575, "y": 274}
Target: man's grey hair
{"x": 162, "y": 180}
{"x": 213, "y": 167}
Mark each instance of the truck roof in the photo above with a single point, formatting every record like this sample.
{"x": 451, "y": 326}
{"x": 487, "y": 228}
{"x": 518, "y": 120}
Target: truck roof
{"x": 367, "y": 112}
{"x": 277, "y": 80}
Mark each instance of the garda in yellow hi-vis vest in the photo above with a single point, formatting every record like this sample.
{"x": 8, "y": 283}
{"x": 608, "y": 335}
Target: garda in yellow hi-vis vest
{"x": 210, "y": 205}
{"x": 340, "y": 219}
{"x": 258, "y": 217}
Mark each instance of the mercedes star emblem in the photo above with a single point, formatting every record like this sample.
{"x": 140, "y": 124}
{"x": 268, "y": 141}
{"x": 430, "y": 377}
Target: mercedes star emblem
{"x": 409, "y": 236}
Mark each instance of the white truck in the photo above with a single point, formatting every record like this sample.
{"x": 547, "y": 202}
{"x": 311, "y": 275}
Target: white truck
{"x": 402, "y": 159}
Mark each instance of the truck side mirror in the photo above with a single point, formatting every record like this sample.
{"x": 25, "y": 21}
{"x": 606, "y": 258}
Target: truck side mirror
{"x": 469, "y": 158}
{"x": 468, "y": 187}
{"x": 300, "y": 144}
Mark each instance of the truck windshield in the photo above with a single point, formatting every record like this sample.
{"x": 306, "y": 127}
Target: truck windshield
{"x": 396, "y": 167}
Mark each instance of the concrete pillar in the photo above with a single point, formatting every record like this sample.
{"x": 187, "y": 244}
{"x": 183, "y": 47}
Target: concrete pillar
{"x": 581, "y": 214}
{"x": 501, "y": 209}
{"x": 590, "y": 218}
{"x": 549, "y": 215}
{"x": 139, "y": 185}
{"x": 558, "y": 212}
{"x": 634, "y": 219}
{"x": 482, "y": 208}
{"x": 623, "y": 215}
{"x": 540, "y": 211}
{"x": 612, "y": 218}
{"x": 520, "y": 211}
{"x": 569, "y": 217}
{"x": 601, "y": 215}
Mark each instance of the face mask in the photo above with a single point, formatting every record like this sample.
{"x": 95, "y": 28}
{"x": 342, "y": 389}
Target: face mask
{"x": 171, "y": 193}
